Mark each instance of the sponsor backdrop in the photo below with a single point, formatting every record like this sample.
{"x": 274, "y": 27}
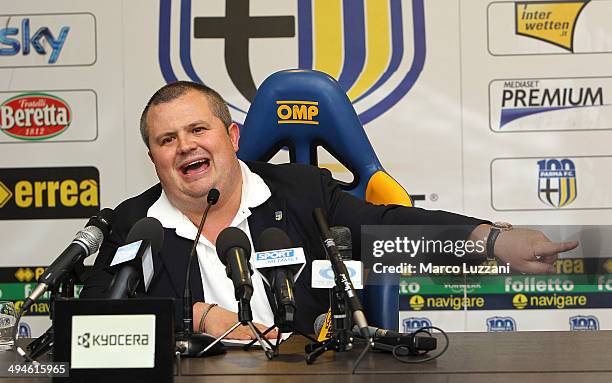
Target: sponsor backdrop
{"x": 497, "y": 109}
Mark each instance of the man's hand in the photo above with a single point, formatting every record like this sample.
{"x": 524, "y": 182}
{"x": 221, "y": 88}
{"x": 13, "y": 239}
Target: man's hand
{"x": 219, "y": 320}
{"x": 527, "y": 251}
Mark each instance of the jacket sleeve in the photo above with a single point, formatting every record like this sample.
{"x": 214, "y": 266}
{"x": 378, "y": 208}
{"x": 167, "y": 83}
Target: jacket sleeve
{"x": 344, "y": 209}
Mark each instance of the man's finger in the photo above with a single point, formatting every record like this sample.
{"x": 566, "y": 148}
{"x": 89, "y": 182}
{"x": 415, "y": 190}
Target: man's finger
{"x": 545, "y": 249}
{"x": 536, "y": 267}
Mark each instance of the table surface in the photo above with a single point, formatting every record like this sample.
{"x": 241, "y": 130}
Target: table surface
{"x": 471, "y": 357}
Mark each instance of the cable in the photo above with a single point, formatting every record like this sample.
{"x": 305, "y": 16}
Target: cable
{"x": 401, "y": 351}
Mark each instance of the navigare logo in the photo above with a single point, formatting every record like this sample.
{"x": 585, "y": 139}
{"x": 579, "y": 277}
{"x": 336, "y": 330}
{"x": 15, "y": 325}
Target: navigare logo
{"x": 501, "y": 324}
{"x": 549, "y": 21}
{"x": 49, "y": 193}
{"x": 34, "y": 116}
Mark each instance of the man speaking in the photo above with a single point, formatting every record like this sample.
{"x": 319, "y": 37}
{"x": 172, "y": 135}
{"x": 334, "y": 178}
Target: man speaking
{"x": 192, "y": 143}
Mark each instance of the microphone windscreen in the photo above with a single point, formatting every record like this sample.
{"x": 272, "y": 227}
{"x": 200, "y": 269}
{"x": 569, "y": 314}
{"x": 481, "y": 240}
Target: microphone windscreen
{"x": 232, "y": 237}
{"x": 319, "y": 322}
{"x": 103, "y": 220}
{"x": 274, "y": 238}
{"x": 342, "y": 238}
{"x": 213, "y": 196}
{"x": 150, "y": 229}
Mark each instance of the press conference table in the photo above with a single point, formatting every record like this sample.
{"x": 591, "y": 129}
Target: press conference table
{"x": 472, "y": 357}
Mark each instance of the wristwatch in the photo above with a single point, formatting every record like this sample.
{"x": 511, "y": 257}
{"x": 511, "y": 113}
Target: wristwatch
{"x": 496, "y": 228}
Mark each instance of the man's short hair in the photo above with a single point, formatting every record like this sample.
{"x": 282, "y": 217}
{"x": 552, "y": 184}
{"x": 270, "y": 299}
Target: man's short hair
{"x": 175, "y": 90}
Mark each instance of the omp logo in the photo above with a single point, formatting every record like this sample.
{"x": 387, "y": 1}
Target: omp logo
{"x": 523, "y": 98}
{"x": 45, "y": 193}
{"x": 297, "y": 112}
{"x": 584, "y": 323}
{"x": 34, "y": 116}
{"x": 557, "y": 185}
{"x": 25, "y": 40}
{"x": 501, "y": 324}
{"x": 375, "y": 49}
{"x": 87, "y": 340}
{"x": 519, "y": 301}
{"x": 417, "y": 302}
{"x": 549, "y": 21}
{"x": 414, "y": 323}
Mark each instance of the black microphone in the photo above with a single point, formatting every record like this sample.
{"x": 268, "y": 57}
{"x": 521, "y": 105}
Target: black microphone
{"x": 234, "y": 251}
{"x": 188, "y": 343}
{"x": 85, "y": 243}
{"x": 129, "y": 274}
{"x": 386, "y": 340}
{"x": 342, "y": 277}
{"x": 344, "y": 243}
{"x": 280, "y": 277}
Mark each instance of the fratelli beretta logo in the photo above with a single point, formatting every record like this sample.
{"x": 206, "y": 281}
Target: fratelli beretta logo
{"x": 557, "y": 182}
{"x": 551, "y": 21}
{"x": 375, "y": 49}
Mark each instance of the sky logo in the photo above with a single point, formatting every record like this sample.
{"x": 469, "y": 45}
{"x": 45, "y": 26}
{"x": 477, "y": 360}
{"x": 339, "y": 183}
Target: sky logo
{"x": 14, "y": 40}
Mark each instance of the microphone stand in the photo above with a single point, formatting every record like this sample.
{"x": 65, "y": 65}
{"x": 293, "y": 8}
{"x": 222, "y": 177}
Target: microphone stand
{"x": 284, "y": 326}
{"x": 341, "y": 339}
{"x": 44, "y": 342}
{"x": 189, "y": 343}
{"x": 245, "y": 318}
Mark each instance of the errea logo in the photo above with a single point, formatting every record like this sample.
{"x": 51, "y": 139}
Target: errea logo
{"x": 297, "y": 112}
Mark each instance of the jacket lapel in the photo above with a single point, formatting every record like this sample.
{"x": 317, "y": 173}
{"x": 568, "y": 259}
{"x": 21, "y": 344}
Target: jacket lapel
{"x": 269, "y": 214}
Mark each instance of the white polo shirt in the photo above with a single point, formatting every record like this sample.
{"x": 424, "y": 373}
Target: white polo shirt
{"x": 218, "y": 288}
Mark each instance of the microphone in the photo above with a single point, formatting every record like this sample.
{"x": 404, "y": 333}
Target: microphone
{"x": 234, "y": 250}
{"x": 135, "y": 259}
{"x": 280, "y": 265}
{"x": 342, "y": 277}
{"x": 386, "y": 340}
{"x": 188, "y": 343}
{"x": 85, "y": 243}
{"x": 344, "y": 243}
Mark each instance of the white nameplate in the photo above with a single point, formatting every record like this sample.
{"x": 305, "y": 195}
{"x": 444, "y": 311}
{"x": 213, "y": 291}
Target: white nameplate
{"x": 113, "y": 341}
{"x": 323, "y": 275}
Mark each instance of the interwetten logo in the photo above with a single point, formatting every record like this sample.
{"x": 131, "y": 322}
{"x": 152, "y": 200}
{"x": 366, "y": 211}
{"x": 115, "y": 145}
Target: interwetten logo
{"x": 550, "y": 21}
{"x": 501, "y": 324}
{"x": 361, "y": 44}
{"x": 584, "y": 323}
{"x": 557, "y": 182}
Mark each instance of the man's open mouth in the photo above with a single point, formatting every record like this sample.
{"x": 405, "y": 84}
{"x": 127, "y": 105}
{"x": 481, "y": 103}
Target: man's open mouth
{"x": 195, "y": 166}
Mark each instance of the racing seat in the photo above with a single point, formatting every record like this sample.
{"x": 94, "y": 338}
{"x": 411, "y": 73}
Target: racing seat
{"x": 285, "y": 112}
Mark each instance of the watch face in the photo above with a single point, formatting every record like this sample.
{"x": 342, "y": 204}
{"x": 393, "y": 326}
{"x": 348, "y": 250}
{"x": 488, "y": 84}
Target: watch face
{"x": 502, "y": 225}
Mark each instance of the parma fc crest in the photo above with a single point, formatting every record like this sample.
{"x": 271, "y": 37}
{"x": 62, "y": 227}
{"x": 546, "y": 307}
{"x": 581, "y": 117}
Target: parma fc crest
{"x": 375, "y": 49}
{"x": 557, "y": 182}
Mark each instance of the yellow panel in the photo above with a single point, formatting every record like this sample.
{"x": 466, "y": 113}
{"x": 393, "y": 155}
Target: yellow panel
{"x": 553, "y": 22}
{"x": 384, "y": 190}
{"x": 378, "y": 46}
{"x": 329, "y": 51}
